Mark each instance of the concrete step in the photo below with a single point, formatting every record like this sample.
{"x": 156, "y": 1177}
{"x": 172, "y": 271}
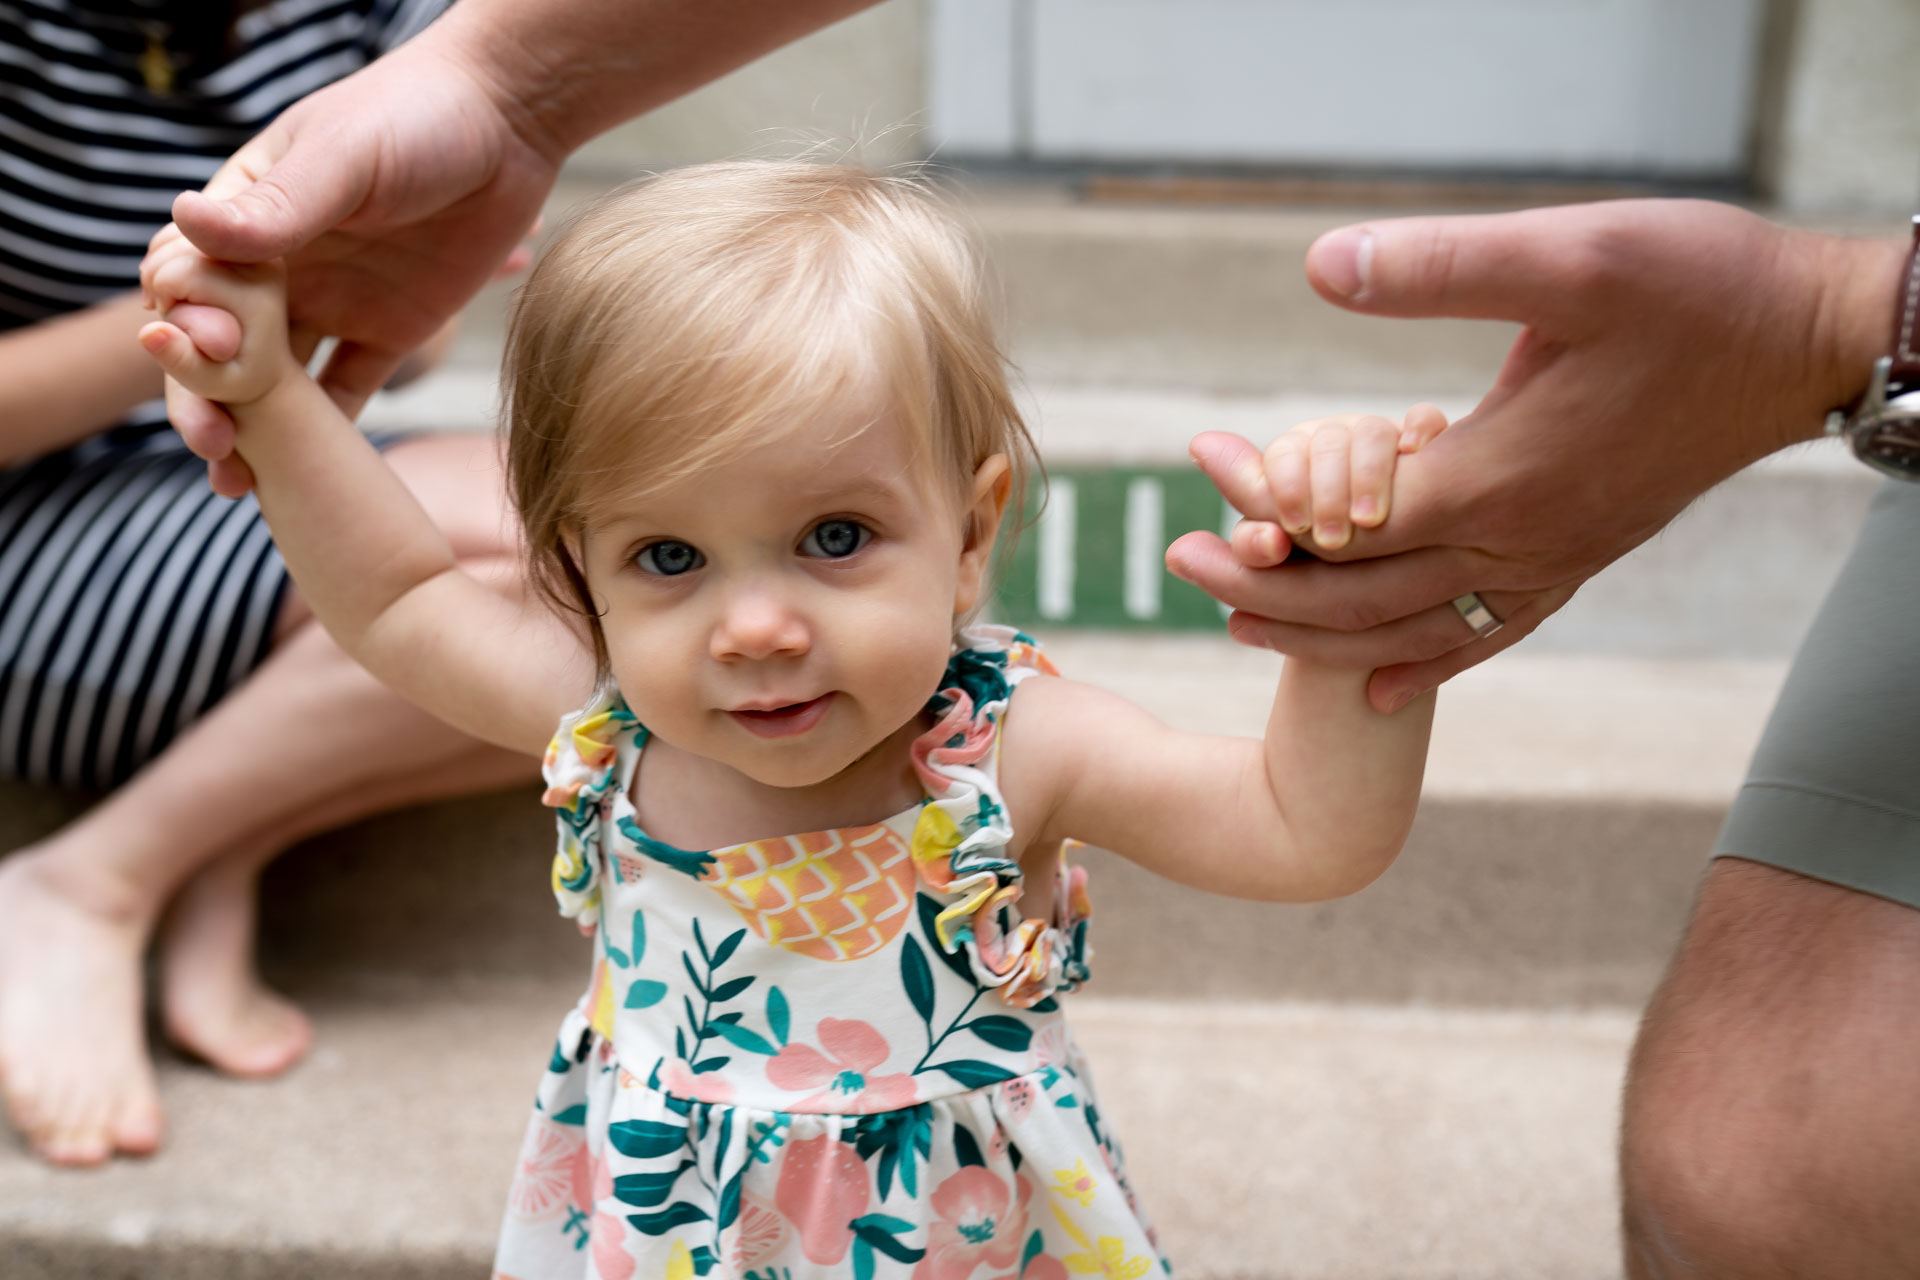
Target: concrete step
{"x": 1176, "y": 296}
{"x": 1289, "y": 1142}
{"x": 1570, "y": 805}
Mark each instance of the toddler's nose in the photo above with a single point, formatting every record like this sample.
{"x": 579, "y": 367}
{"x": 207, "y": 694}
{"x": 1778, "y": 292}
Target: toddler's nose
{"x": 758, "y": 624}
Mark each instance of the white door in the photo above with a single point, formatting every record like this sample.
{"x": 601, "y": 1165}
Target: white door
{"x": 1654, "y": 87}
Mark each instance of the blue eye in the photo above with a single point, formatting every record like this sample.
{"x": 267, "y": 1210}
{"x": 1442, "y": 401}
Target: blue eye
{"x": 835, "y": 539}
{"x": 668, "y": 559}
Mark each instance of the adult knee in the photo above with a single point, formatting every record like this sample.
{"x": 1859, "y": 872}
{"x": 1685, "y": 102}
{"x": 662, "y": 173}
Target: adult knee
{"x": 1774, "y": 1093}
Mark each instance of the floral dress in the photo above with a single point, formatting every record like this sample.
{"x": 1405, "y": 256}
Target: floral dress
{"x": 831, "y": 1054}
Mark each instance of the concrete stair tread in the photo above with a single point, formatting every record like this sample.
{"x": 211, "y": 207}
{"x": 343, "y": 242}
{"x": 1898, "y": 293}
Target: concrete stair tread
{"x": 1268, "y": 1141}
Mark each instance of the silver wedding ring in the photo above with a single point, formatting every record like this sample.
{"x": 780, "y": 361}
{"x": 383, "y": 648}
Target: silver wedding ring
{"x": 1472, "y": 608}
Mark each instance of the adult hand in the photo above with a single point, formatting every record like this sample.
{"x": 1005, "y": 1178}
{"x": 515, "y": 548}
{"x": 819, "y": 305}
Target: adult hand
{"x": 1667, "y": 344}
{"x": 393, "y": 195}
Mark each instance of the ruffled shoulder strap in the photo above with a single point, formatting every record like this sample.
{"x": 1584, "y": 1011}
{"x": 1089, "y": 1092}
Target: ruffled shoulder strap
{"x": 961, "y": 837}
{"x": 590, "y": 757}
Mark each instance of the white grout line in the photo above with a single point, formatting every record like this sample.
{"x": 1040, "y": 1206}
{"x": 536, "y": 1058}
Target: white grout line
{"x": 1056, "y": 549}
{"x": 1146, "y": 540}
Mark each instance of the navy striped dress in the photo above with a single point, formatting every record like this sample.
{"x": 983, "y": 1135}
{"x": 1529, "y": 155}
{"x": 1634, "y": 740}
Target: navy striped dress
{"x": 131, "y": 597}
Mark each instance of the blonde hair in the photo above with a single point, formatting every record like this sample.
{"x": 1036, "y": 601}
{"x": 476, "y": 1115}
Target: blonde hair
{"x": 686, "y": 317}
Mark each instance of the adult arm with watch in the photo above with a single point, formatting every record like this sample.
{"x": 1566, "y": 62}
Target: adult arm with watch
{"x": 1774, "y": 1090}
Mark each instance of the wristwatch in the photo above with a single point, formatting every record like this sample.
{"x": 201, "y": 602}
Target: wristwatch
{"x": 1883, "y": 426}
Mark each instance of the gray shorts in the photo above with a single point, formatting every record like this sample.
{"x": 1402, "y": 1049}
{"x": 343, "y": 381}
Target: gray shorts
{"x": 1834, "y": 790}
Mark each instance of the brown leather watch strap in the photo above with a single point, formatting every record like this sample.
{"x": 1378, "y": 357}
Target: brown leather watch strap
{"x": 1906, "y": 319}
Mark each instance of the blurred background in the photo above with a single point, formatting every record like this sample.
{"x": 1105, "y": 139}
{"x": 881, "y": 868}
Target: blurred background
{"x": 1419, "y": 1082}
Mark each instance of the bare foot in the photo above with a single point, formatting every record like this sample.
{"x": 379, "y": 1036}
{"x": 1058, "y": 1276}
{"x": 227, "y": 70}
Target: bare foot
{"x": 74, "y": 1070}
{"x": 215, "y": 1004}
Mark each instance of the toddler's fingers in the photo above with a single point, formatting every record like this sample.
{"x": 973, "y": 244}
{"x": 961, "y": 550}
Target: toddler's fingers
{"x": 214, "y": 332}
{"x": 1423, "y": 422}
{"x": 1260, "y": 544}
{"x": 1376, "y": 444}
{"x": 175, "y": 353}
{"x": 1330, "y": 453}
{"x": 1288, "y": 481}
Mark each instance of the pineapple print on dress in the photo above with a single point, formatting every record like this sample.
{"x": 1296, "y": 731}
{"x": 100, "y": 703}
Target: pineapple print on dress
{"x": 832, "y": 895}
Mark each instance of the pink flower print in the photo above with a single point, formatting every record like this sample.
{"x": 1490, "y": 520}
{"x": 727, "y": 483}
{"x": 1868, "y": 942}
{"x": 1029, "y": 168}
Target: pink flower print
{"x": 822, "y": 1188}
{"x": 607, "y": 1242}
{"x": 853, "y": 1049}
{"x": 1016, "y": 1096}
{"x": 760, "y": 1233}
{"x": 679, "y": 1079}
{"x": 1051, "y": 1046}
{"x": 554, "y": 1170}
{"x": 979, "y": 1224}
{"x": 1044, "y": 1267}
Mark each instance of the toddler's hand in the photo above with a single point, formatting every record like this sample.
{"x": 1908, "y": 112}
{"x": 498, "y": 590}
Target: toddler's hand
{"x": 246, "y": 366}
{"x": 1329, "y": 476}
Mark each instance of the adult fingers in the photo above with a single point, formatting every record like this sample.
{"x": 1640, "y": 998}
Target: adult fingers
{"x": 275, "y": 194}
{"x": 1237, "y": 471}
{"x": 1494, "y": 266}
{"x": 355, "y": 371}
{"x": 1392, "y": 687}
{"x": 1419, "y": 637}
{"x": 1350, "y": 597}
{"x": 230, "y": 477}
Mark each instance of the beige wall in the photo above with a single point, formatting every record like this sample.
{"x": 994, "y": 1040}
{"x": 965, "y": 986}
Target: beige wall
{"x": 863, "y": 79}
{"x": 1849, "y": 129}
{"x": 1839, "y": 128}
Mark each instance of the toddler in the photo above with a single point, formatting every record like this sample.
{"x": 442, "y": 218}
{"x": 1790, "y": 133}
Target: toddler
{"x": 761, "y": 444}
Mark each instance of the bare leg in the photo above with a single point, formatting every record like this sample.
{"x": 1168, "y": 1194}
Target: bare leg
{"x": 1774, "y": 1094}
{"x": 76, "y": 910}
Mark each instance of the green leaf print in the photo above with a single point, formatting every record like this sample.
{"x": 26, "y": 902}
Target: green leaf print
{"x": 677, "y": 1214}
{"x": 618, "y": 957}
{"x": 738, "y": 1035}
{"x": 965, "y": 1149}
{"x": 1035, "y": 1243}
{"x": 575, "y": 1114}
{"x": 730, "y": 988}
{"x": 862, "y": 1260}
{"x": 917, "y": 978}
{"x": 645, "y": 993}
{"x": 724, "y": 952}
{"x": 1003, "y": 1032}
{"x": 882, "y": 1237}
{"x": 974, "y": 1074}
{"x": 729, "y": 1202}
{"x": 779, "y": 1018}
{"x": 639, "y": 936}
{"x": 645, "y": 1190}
{"x": 646, "y": 1139}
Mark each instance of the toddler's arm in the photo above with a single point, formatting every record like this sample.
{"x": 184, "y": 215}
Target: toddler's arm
{"x": 371, "y": 564}
{"x": 1317, "y": 809}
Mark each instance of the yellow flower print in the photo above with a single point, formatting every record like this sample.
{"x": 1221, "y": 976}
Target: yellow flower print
{"x": 1111, "y": 1260}
{"x": 1107, "y": 1258}
{"x": 679, "y": 1262}
{"x": 1075, "y": 1184}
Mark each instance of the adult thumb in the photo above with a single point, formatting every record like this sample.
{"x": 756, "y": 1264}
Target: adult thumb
{"x": 273, "y": 196}
{"x": 1503, "y": 266}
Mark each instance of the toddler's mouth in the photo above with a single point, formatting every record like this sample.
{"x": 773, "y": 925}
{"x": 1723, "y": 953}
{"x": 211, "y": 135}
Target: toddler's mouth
{"x": 784, "y": 721}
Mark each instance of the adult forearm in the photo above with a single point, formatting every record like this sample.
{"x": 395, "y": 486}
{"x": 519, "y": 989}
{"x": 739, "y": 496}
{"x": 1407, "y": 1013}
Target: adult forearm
{"x": 64, "y": 379}
{"x": 567, "y": 70}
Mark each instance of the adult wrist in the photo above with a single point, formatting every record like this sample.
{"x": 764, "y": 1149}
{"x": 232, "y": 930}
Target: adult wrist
{"x": 1855, "y": 287}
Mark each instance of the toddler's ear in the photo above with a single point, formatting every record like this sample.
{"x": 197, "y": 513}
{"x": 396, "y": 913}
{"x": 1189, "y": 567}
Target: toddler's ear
{"x": 992, "y": 485}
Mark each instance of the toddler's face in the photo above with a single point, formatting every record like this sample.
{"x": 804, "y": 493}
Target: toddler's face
{"x": 784, "y": 612}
